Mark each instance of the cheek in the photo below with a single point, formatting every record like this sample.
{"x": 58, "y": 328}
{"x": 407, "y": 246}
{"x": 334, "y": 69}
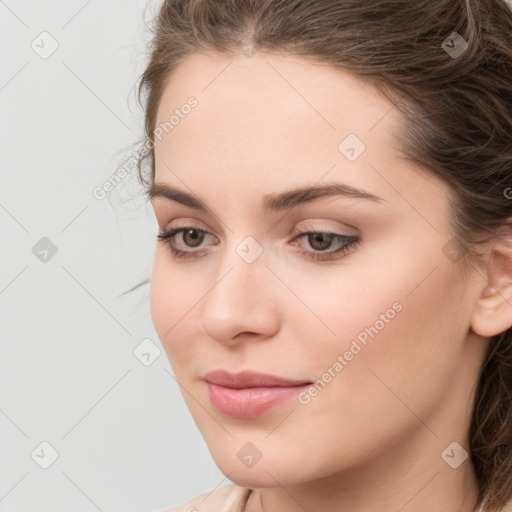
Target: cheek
{"x": 383, "y": 289}
{"x": 172, "y": 297}
{"x": 162, "y": 306}
{"x": 399, "y": 345}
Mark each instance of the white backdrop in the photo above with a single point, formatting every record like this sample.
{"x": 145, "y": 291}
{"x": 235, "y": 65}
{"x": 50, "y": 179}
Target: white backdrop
{"x": 85, "y": 424}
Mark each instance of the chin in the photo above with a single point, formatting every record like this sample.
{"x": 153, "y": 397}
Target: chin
{"x": 253, "y": 478}
{"x": 264, "y": 473}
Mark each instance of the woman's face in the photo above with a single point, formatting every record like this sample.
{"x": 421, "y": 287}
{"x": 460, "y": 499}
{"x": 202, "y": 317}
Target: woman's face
{"x": 375, "y": 315}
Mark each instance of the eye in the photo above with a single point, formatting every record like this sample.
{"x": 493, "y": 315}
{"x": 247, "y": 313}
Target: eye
{"x": 191, "y": 236}
{"x": 322, "y": 240}
{"x": 319, "y": 241}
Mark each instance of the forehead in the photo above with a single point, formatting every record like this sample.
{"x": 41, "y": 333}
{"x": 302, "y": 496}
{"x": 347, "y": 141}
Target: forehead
{"x": 260, "y": 122}
{"x": 274, "y": 88}
{"x": 268, "y": 112}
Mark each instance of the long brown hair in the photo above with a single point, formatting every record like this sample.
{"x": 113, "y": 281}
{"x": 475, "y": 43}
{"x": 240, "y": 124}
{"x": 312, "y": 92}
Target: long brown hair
{"x": 455, "y": 94}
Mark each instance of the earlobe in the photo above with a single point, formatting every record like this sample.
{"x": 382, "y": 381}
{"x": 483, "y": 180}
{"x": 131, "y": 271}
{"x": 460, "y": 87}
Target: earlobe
{"x": 492, "y": 313}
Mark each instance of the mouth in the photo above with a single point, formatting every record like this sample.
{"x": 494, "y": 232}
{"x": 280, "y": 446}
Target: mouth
{"x": 249, "y": 394}
{"x": 250, "y": 379}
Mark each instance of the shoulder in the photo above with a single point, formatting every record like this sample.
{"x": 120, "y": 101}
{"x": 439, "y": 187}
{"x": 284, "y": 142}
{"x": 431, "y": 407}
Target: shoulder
{"x": 230, "y": 498}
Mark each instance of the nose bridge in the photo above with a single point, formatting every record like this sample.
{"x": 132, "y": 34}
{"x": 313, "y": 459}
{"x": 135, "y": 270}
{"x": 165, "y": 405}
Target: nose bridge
{"x": 239, "y": 300}
{"x": 241, "y": 271}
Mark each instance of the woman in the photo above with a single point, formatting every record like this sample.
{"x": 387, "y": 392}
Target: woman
{"x": 332, "y": 282}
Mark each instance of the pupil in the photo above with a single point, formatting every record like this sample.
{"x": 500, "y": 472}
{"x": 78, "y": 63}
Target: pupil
{"x": 323, "y": 238}
{"x": 195, "y": 235}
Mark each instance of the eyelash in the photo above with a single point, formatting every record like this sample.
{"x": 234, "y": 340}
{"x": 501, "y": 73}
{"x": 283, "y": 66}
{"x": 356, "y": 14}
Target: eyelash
{"x": 350, "y": 243}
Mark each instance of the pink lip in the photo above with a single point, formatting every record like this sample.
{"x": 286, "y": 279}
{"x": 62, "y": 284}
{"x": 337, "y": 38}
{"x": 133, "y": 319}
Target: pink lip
{"x": 248, "y": 379}
{"x": 249, "y": 394}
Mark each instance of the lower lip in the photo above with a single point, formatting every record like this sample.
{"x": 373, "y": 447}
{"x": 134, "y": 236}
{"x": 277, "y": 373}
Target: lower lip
{"x": 250, "y": 402}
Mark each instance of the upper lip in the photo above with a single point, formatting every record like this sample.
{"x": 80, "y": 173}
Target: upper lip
{"x": 249, "y": 379}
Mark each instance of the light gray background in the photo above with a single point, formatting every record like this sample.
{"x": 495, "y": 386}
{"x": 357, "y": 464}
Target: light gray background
{"x": 68, "y": 376}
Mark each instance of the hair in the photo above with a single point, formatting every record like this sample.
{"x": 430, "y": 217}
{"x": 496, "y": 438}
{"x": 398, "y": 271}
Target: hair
{"x": 457, "y": 124}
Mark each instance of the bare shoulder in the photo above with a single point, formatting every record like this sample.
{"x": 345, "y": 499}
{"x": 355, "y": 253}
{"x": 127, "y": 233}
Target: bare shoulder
{"x": 230, "y": 498}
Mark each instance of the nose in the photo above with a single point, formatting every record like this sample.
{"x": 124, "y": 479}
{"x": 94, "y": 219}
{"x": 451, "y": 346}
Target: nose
{"x": 241, "y": 303}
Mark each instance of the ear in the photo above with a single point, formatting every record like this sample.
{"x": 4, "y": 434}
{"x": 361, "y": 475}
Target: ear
{"x": 492, "y": 313}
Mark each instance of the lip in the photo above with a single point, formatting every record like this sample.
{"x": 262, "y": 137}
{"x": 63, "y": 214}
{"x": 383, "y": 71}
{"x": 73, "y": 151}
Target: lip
{"x": 249, "y": 379}
{"x": 249, "y": 394}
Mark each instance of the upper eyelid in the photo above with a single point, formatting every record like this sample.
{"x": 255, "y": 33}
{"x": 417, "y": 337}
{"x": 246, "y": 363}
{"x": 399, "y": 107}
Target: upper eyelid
{"x": 194, "y": 224}
{"x": 308, "y": 209}
{"x": 296, "y": 233}
{"x": 180, "y": 230}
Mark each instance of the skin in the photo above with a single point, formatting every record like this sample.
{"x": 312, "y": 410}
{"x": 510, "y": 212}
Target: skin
{"x": 372, "y": 439}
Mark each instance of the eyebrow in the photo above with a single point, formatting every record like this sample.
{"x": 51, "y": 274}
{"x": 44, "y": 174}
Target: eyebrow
{"x": 271, "y": 202}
